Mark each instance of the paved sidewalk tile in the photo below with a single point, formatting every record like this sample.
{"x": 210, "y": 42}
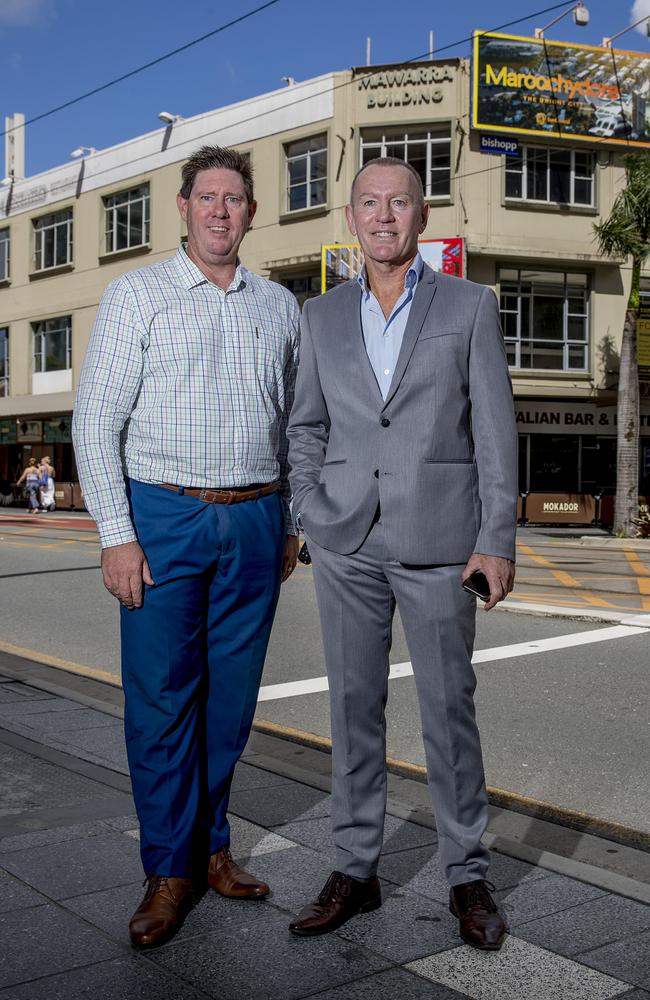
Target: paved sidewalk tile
{"x": 549, "y": 895}
{"x": 116, "y": 979}
{"x": 247, "y": 776}
{"x": 628, "y": 959}
{"x": 266, "y": 807}
{"x": 44, "y": 940}
{"x": 17, "y": 711}
{"x": 418, "y": 871}
{"x": 399, "y": 835}
{"x": 395, "y": 984}
{"x": 27, "y": 782}
{"x": 588, "y": 925}
{"x": 259, "y": 959}
{"x": 64, "y": 722}
{"x": 520, "y": 971}
{"x": 15, "y": 895}
{"x": 69, "y": 869}
{"x": 57, "y": 835}
{"x": 406, "y": 927}
{"x": 103, "y": 745}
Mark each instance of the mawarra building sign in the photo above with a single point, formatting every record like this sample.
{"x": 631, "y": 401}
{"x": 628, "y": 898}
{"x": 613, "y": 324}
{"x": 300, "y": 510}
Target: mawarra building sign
{"x": 558, "y": 89}
{"x": 405, "y": 86}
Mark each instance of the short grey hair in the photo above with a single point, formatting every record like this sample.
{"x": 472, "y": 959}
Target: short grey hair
{"x": 389, "y": 161}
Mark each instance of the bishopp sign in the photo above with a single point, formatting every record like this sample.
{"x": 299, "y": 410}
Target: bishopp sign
{"x": 499, "y": 145}
{"x": 531, "y": 86}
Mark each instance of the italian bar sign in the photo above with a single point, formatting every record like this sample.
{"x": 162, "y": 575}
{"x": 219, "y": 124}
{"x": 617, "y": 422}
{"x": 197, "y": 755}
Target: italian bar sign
{"x": 532, "y": 86}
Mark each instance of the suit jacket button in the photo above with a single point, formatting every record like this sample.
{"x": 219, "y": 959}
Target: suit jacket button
{"x": 376, "y": 473}
{"x": 385, "y": 422}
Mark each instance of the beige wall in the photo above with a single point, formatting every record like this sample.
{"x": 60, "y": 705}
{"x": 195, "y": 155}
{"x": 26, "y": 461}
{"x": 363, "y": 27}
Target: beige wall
{"x": 496, "y": 235}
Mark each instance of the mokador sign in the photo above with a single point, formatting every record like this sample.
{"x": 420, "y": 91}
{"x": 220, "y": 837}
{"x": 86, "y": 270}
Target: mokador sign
{"x": 536, "y": 87}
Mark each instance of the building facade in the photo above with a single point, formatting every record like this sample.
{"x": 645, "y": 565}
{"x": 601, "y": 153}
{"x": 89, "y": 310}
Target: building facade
{"x": 526, "y": 222}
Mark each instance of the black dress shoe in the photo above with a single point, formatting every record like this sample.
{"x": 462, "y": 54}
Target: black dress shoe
{"x": 342, "y": 897}
{"x": 480, "y": 923}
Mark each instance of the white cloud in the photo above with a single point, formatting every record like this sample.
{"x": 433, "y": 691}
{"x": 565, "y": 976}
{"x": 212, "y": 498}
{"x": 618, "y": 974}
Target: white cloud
{"x": 639, "y": 9}
{"x": 25, "y": 13}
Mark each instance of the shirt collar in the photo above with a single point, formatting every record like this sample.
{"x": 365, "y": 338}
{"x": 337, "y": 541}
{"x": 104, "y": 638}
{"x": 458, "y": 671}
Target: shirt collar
{"x": 411, "y": 278}
{"x": 192, "y": 276}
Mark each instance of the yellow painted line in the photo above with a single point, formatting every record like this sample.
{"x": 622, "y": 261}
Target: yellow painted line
{"x": 54, "y": 661}
{"x": 642, "y": 579}
{"x": 31, "y": 545}
{"x": 501, "y": 797}
{"x": 566, "y": 579}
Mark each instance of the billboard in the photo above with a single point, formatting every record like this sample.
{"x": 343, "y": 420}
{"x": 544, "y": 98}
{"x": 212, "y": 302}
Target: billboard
{"x": 342, "y": 261}
{"x": 558, "y": 89}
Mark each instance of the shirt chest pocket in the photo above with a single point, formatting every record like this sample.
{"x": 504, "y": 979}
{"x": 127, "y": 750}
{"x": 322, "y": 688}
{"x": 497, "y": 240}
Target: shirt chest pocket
{"x": 264, "y": 353}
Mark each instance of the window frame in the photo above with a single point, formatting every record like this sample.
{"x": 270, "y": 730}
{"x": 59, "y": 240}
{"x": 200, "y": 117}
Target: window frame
{"x": 42, "y": 334}
{"x": 37, "y": 238}
{"x": 6, "y": 257}
{"x": 568, "y": 343}
{"x": 431, "y": 133}
{"x": 525, "y": 175}
{"x": 4, "y": 359}
{"x": 286, "y": 176}
{"x": 110, "y": 211}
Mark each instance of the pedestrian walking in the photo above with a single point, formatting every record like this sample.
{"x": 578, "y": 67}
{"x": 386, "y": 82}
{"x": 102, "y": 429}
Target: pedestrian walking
{"x": 31, "y": 479}
{"x": 47, "y": 490}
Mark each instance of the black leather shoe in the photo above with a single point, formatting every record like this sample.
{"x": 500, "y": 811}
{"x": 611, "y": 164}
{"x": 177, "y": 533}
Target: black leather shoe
{"x": 342, "y": 897}
{"x": 480, "y": 923}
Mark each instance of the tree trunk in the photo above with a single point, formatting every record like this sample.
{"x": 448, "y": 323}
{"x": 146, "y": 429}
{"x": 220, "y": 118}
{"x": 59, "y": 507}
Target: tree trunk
{"x": 627, "y": 416}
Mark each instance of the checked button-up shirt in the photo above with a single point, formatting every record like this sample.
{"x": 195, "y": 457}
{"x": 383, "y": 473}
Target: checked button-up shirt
{"x": 184, "y": 383}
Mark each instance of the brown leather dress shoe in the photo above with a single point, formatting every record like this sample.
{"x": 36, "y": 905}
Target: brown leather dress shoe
{"x": 342, "y": 897}
{"x": 228, "y": 879}
{"x": 481, "y": 924}
{"x": 162, "y": 911}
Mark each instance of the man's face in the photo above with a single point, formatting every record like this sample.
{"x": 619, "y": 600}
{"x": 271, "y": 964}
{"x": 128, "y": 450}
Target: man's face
{"x": 386, "y": 214}
{"x": 217, "y": 214}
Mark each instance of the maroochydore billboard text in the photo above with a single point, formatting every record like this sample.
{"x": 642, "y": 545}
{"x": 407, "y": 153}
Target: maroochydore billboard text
{"x": 536, "y": 87}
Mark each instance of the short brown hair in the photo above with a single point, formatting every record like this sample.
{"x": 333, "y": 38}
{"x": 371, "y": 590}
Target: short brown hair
{"x": 217, "y": 158}
{"x": 388, "y": 161}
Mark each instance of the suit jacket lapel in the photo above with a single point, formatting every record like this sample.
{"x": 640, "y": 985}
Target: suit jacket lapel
{"x": 356, "y": 354}
{"x": 422, "y": 299}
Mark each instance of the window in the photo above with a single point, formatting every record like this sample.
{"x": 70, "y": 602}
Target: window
{"x": 53, "y": 240}
{"x": 644, "y": 293}
{"x": 4, "y": 361}
{"x": 303, "y": 287}
{"x": 428, "y": 151}
{"x": 5, "y": 246}
{"x": 127, "y": 219}
{"x": 545, "y": 319}
{"x": 306, "y": 173}
{"x": 551, "y": 176}
{"x": 52, "y": 345}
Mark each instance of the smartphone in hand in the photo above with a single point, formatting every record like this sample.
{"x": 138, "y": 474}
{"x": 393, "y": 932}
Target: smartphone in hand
{"x": 478, "y": 585}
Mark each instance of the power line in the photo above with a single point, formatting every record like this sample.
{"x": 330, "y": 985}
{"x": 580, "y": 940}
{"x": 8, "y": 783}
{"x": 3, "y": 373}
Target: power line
{"x": 257, "y": 10}
{"x": 141, "y": 69}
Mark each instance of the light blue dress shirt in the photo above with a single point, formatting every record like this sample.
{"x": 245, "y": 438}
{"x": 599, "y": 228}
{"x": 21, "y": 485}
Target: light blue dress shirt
{"x": 383, "y": 337}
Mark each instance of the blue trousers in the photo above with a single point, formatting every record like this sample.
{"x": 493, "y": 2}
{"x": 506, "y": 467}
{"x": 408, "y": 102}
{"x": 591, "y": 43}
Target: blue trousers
{"x": 192, "y": 659}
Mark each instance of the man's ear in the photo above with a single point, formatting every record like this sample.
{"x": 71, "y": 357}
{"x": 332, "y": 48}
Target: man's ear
{"x": 252, "y": 209}
{"x": 182, "y": 206}
{"x": 349, "y": 215}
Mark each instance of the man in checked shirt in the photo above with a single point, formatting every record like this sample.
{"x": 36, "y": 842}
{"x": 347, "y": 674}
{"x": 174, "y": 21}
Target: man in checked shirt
{"x": 179, "y": 431}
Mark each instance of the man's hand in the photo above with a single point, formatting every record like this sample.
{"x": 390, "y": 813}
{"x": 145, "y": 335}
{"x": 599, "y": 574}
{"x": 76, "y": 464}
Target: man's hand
{"x": 500, "y": 575}
{"x": 124, "y": 568}
{"x": 290, "y": 556}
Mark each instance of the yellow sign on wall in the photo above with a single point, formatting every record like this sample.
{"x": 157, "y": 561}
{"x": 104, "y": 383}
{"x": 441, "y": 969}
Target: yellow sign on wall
{"x": 643, "y": 347}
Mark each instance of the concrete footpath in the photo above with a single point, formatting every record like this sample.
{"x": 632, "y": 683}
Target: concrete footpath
{"x": 70, "y": 877}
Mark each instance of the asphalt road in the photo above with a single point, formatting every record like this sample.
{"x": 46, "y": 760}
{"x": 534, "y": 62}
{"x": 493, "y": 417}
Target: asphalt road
{"x": 567, "y": 725}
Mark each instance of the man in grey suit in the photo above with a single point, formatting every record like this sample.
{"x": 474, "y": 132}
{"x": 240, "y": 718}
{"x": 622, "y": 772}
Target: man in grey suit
{"x": 403, "y": 456}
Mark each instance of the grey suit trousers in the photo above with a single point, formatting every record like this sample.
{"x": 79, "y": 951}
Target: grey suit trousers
{"x": 356, "y": 596}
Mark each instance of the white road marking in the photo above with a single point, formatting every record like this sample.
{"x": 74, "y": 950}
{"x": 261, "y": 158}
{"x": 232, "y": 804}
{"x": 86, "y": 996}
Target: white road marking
{"x": 312, "y": 685}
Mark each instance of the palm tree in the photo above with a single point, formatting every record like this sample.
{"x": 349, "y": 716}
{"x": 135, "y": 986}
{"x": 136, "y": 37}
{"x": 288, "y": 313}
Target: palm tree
{"x": 626, "y": 233}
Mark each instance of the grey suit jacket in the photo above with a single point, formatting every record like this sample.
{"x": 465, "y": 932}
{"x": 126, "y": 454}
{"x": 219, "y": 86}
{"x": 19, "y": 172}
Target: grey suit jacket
{"x": 439, "y": 454}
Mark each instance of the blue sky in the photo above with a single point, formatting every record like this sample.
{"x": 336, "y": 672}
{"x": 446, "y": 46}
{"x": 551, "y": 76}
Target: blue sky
{"x": 54, "y": 50}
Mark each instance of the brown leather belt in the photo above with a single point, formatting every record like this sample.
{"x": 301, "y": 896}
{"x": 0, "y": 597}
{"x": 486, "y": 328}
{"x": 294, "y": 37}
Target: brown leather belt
{"x": 236, "y": 494}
